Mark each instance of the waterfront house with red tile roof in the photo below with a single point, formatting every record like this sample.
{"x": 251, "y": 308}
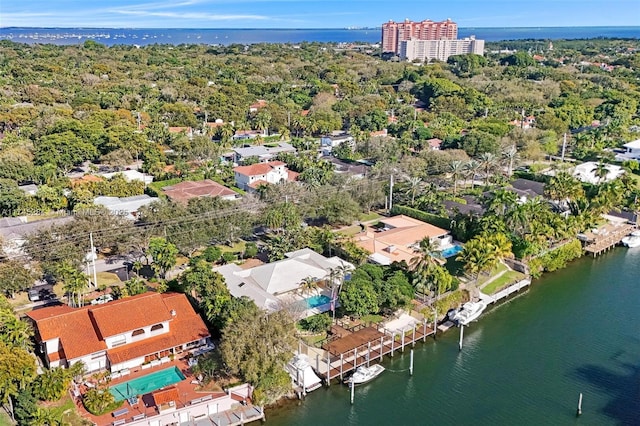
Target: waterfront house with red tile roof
{"x": 118, "y": 335}
{"x": 250, "y": 177}
{"x": 396, "y": 239}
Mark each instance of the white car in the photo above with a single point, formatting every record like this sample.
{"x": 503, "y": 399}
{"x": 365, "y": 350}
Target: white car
{"x": 102, "y": 299}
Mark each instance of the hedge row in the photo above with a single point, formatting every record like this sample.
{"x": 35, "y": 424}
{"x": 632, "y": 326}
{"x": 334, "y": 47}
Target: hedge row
{"x": 556, "y": 259}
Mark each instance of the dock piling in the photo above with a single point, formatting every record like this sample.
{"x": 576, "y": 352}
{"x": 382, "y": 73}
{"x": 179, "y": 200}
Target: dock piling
{"x": 579, "y": 411}
{"x": 353, "y": 387}
{"x": 411, "y": 363}
{"x": 461, "y": 334}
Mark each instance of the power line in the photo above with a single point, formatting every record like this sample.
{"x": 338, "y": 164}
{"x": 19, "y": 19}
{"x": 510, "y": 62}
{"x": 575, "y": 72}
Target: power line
{"x": 137, "y": 229}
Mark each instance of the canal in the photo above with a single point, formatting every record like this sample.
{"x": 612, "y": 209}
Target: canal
{"x": 524, "y": 362}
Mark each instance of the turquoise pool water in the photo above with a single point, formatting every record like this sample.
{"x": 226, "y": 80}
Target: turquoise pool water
{"x": 451, "y": 251}
{"x": 145, "y": 384}
{"x": 315, "y": 301}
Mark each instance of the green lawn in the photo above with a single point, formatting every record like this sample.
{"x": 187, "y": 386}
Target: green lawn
{"x": 66, "y": 411}
{"x": 108, "y": 279}
{"x": 368, "y": 319}
{"x": 369, "y": 216}
{"x": 235, "y": 248}
{"x": 498, "y": 284}
{"x": 498, "y": 269}
{"x": 314, "y": 339}
{"x": 5, "y": 420}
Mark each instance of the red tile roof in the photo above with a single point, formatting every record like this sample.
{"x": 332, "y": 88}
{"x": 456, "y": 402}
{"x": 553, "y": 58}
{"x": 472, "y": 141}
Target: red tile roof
{"x": 184, "y": 191}
{"x": 185, "y": 327}
{"x": 257, "y": 183}
{"x": 73, "y": 327}
{"x": 260, "y": 103}
{"x": 180, "y": 130}
{"x": 85, "y": 179}
{"x": 258, "y": 169}
{"x": 129, "y": 314}
{"x": 166, "y": 395}
{"x": 81, "y": 330}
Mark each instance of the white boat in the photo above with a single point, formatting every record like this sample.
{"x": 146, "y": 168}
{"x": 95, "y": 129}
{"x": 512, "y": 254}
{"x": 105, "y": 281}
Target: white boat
{"x": 631, "y": 241}
{"x": 470, "y": 311}
{"x": 364, "y": 374}
{"x": 302, "y": 374}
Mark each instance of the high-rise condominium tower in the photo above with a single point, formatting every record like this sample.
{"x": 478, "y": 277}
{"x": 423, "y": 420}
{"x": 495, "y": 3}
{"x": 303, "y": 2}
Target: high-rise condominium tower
{"x": 395, "y": 32}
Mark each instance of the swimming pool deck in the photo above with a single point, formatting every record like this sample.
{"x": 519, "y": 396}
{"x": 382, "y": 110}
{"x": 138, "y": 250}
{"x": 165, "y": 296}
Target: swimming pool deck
{"x": 187, "y": 390}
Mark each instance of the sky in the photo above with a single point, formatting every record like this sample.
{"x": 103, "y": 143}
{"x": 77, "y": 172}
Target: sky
{"x": 314, "y": 13}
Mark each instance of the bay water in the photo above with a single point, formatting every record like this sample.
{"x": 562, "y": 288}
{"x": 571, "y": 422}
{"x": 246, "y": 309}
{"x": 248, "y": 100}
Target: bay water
{"x": 222, "y": 36}
{"x": 524, "y": 362}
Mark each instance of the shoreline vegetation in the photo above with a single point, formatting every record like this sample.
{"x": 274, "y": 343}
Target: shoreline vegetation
{"x": 485, "y": 147}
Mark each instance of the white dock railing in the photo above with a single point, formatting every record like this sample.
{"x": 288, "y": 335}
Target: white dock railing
{"x": 506, "y": 292}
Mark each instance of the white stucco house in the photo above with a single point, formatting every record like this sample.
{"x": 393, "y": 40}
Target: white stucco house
{"x": 328, "y": 142}
{"x": 118, "y": 335}
{"x": 248, "y": 178}
{"x": 586, "y": 172}
{"x": 632, "y": 151}
{"x": 267, "y": 284}
{"x": 130, "y": 175}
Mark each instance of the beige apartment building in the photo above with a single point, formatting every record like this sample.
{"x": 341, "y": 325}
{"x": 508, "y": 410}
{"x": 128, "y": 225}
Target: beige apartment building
{"x": 428, "y": 50}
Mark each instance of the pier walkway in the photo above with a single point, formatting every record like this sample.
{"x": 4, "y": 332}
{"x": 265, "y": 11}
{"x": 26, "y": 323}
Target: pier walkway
{"x": 605, "y": 238}
{"x": 364, "y": 346}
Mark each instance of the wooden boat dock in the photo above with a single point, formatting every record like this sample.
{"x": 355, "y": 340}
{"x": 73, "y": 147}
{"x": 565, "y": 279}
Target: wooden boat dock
{"x": 605, "y": 238}
{"x": 364, "y": 345}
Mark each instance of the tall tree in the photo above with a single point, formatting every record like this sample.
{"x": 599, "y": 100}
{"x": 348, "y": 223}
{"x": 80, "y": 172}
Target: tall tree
{"x": 164, "y": 255}
{"x": 256, "y": 346}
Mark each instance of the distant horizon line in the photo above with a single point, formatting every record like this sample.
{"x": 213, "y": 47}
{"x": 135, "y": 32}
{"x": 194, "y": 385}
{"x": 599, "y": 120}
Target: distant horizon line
{"x": 349, "y": 28}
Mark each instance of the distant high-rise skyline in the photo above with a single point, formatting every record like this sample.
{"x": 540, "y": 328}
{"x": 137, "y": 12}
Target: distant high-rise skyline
{"x": 393, "y": 33}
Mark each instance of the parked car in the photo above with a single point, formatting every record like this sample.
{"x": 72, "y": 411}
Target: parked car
{"x": 34, "y": 295}
{"x": 102, "y": 299}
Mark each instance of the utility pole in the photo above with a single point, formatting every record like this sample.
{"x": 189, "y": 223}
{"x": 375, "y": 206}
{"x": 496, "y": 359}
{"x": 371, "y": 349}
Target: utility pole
{"x": 522, "y": 120}
{"x": 93, "y": 260}
{"x": 139, "y": 121}
{"x": 390, "y": 193}
{"x": 564, "y": 146}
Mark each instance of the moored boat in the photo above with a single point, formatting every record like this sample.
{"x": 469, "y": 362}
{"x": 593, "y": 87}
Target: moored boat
{"x": 302, "y": 374}
{"x": 364, "y": 374}
{"x": 632, "y": 240}
{"x": 470, "y": 311}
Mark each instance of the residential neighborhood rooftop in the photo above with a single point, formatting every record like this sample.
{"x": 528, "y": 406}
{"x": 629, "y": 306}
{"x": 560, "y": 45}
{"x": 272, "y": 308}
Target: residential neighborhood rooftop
{"x": 396, "y": 237}
{"x": 184, "y": 191}
{"x": 263, "y": 283}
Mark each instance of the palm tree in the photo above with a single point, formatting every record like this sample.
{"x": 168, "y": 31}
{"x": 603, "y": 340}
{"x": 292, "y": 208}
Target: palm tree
{"x": 74, "y": 283}
{"x": 226, "y": 132}
{"x": 414, "y": 185}
{"x": 564, "y": 187}
{"x": 601, "y": 172}
{"x": 456, "y": 169}
{"x": 488, "y": 162}
{"x": 308, "y": 285}
{"x": 472, "y": 167}
{"x": 503, "y": 200}
{"x": 478, "y": 256}
{"x": 511, "y": 156}
{"x": 15, "y": 332}
{"x": 422, "y": 265}
{"x": 135, "y": 286}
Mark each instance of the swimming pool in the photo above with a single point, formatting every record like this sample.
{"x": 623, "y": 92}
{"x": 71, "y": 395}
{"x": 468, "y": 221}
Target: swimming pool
{"x": 451, "y": 251}
{"x": 319, "y": 300}
{"x": 146, "y": 384}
